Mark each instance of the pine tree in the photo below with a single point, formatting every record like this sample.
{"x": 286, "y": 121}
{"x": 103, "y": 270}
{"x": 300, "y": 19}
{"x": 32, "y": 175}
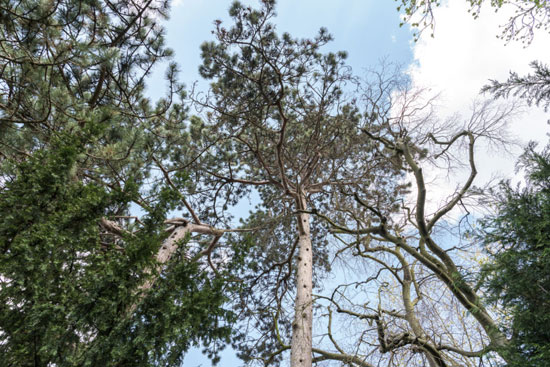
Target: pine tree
{"x": 282, "y": 121}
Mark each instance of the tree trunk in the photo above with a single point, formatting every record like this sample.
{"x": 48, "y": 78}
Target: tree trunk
{"x": 301, "y": 344}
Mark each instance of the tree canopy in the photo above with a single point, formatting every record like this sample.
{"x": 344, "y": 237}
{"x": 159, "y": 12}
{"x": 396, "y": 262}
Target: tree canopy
{"x": 97, "y": 269}
{"x": 518, "y": 275}
{"x": 79, "y": 141}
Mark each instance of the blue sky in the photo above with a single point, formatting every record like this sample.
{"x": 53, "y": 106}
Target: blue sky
{"x": 367, "y": 29}
{"x": 455, "y": 64}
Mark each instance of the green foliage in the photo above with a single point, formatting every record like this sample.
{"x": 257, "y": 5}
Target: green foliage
{"x": 288, "y": 120}
{"x": 66, "y": 290}
{"x": 51, "y": 261}
{"x": 79, "y": 67}
{"x": 518, "y": 276}
{"x": 79, "y": 141}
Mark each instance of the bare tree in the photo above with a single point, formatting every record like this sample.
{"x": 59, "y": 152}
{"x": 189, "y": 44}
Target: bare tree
{"x": 418, "y": 302}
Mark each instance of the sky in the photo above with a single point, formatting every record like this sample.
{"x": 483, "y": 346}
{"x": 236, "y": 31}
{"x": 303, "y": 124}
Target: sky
{"x": 461, "y": 57}
{"x": 368, "y": 29}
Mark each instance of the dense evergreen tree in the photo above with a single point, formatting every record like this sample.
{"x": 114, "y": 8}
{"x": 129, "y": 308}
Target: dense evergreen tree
{"x": 518, "y": 235}
{"x": 66, "y": 285}
{"x": 79, "y": 143}
{"x": 518, "y": 275}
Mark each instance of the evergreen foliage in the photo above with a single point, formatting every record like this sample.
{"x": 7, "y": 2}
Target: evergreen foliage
{"x": 78, "y": 143}
{"x": 518, "y": 276}
{"x": 535, "y": 88}
{"x": 287, "y": 120}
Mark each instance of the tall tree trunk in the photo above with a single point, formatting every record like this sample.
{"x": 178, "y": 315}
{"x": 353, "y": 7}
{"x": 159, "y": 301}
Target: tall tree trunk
{"x": 300, "y": 347}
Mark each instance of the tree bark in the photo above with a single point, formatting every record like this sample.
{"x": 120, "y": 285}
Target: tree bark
{"x": 168, "y": 248}
{"x": 301, "y": 344}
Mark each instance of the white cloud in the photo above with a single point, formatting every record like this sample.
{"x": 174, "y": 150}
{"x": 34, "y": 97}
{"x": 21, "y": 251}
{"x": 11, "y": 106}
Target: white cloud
{"x": 465, "y": 53}
{"x": 462, "y": 56}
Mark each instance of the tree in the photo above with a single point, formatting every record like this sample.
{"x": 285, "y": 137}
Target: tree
{"x": 517, "y": 276}
{"x": 535, "y": 88}
{"x": 516, "y": 236}
{"x": 434, "y": 314}
{"x": 513, "y": 231}
{"x": 278, "y": 119}
{"x": 83, "y": 146}
{"x": 80, "y": 146}
{"x": 66, "y": 285}
{"x": 529, "y": 16}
